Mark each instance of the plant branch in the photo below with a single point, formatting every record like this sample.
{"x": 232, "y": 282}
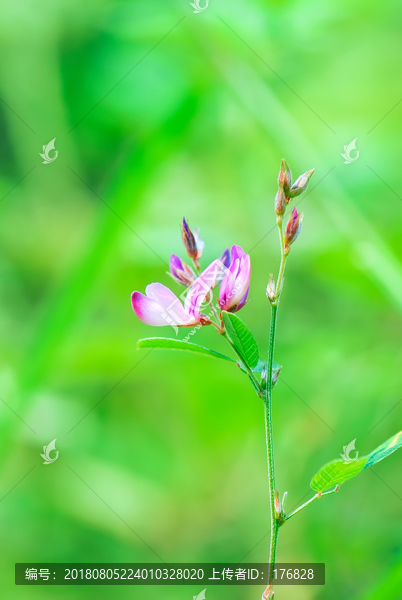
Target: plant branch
{"x": 318, "y": 495}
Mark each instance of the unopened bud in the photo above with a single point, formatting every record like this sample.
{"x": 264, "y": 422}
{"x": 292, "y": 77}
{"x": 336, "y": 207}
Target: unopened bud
{"x": 268, "y": 594}
{"x": 278, "y": 507}
{"x": 199, "y": 243}
{"x": 180, "y": 271}
{"x": 188, "y": 239}
{"x": 271, "y": 288}
{"x": 279, "y": 511}
{"x": 285, "y": 177}
{"x": 285, "y": 495}
{"x": 293, "y": 228}
{"x": 192, "y": 241}
{"x": 280, "y": 202}
{"x": 300, "y": 185}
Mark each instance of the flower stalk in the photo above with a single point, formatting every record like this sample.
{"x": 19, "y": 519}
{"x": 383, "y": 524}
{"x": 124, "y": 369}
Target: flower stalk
{"x": 160, "y": 307}
{"x": 293, "y": 228}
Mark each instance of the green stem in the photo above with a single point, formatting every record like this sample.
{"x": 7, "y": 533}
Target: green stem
{"x": 270, "y": 445}
{"x": 268, "y": 411}
{"x": 290, "y": 515}
{"x": 284, "y": 256}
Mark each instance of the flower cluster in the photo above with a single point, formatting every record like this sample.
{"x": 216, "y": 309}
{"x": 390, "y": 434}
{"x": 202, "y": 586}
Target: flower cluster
{"x": 287, "y": 191}
{"x": 160, "y": 306}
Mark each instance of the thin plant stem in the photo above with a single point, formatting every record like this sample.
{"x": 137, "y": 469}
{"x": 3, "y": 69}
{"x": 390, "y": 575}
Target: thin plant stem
{"x": 275, "y": 524}
{"x": 270, "y": 446}
{"x": 318, "y": 495}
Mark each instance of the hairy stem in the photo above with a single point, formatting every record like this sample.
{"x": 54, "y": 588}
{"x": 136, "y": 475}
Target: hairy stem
{"x": 268, "y": 410}
{"x": 270, "y": 445}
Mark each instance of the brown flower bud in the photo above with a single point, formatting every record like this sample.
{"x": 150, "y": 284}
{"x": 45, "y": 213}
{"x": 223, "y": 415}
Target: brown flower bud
{"x": 278, "y": 507}
{"x": 268, "y": 594}
{"x": 285, "y": 177}
{"x": 193, "y": 244}
{"x": 293, "y": 228}
{"x": 280, "y": 202}
{"x": 271, "y": 288}
{"x": 300, "y": 185}
{"x": 188, "y": 240}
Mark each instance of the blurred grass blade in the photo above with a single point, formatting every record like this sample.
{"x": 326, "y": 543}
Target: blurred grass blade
{"x": 384, "y": 450}
{"x": 242, "y": 338}
{"x": 335, "y": 473}
{"x": 171, "y": 344}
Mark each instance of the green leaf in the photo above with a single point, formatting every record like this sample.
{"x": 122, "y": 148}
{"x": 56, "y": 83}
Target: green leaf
{"x": 172, "y": 344}
{"x": 384, "y": 450}
{"x": 242, "y": 338}
{"x": 335, "y": 473}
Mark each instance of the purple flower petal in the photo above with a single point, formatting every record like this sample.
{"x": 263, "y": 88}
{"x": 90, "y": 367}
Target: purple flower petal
{"x": 235, "y": 286}
{"x": 225, "y": 258}
{"x": 160, "y": 307}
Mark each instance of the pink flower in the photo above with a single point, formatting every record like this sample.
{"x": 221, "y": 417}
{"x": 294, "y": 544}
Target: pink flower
{"x": 236, "y": 283}
{"x": 160, "y": 306}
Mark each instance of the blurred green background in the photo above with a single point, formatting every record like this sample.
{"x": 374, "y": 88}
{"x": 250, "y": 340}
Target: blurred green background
{"x": 159, "y": 112}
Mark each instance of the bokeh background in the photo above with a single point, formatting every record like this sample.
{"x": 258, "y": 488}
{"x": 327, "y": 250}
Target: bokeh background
{"x": 159, "y": 112}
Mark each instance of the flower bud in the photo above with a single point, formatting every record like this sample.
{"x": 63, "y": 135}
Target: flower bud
{"x": 293, "y": 228}
{"x": 268, "y": 594}
{"x": 271, "y": 288}
{"x": 279, "y": 511}
{"x": 192, "y": 241}
{"x": 180, "y": 271}
{"x": 225, "y": 258}
{"x": 280, "y": 202}
{"x": 285, "y": 177}
{"x": 199, "y": 243}
{"x": 300, "y": 185}
{"x": 278, "y": 507}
